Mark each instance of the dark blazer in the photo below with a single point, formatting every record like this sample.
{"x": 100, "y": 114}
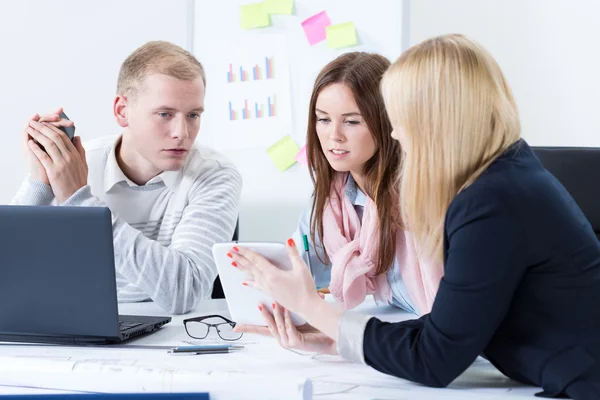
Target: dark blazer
{"x": 521, "y": 287}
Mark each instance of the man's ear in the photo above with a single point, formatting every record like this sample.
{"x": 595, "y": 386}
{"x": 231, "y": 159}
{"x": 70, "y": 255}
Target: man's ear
{"x": 120, "y": 111}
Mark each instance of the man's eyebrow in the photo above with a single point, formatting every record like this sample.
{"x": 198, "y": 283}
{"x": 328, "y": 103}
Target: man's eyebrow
{"x": 167, "y": 108}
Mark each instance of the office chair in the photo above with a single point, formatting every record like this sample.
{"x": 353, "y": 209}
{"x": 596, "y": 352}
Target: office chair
{"x": 578, "y": 169}
{"x": 217, "y": 292}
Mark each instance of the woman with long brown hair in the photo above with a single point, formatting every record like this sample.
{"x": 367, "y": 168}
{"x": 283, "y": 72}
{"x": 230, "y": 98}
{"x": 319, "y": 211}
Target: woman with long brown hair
{"x": 356, "y": 239}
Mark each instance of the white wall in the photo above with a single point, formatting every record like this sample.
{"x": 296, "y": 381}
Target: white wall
{"x": 548, "y": 51}
{"x": 68, "y": 52}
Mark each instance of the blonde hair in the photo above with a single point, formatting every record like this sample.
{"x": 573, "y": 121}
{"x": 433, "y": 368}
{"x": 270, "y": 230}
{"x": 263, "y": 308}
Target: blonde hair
{"x": 158, "y": 57}
{"x": 450, "y": 102}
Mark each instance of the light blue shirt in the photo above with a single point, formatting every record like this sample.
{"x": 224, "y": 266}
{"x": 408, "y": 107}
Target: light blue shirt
{"x": 322, "y": 272}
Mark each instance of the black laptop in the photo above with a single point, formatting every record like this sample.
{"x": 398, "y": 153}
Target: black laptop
{"x": 57, "y": 278}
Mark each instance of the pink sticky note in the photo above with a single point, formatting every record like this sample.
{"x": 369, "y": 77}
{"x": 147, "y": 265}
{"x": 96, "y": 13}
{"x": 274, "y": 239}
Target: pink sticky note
{"x": 315, "y": 27}
{"x": 301, "y": 156}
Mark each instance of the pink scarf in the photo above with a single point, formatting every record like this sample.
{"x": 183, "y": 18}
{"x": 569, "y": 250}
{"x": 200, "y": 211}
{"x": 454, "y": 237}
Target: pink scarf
{"x": 352, "y": 248}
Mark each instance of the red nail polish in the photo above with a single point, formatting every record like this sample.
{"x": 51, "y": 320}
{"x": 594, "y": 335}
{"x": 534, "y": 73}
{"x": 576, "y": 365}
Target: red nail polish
{"x": 283, "y": 308}
{"x": 273, "y": 306}
{"x": 260, "y": 308}
{"x": 234, "y": 263}
{"x": 229, "y": 255}
{"x": 291, "y": 242}
{"x": 244, "y": 283}
{"x": 236, "y": 249}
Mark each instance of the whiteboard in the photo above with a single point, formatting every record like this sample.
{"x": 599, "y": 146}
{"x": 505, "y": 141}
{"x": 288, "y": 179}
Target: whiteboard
{"x": 273, "y": 200}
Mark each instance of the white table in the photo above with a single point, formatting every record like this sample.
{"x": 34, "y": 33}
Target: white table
{"x": 481, "y": 381}
{"x": 261, "y": 370}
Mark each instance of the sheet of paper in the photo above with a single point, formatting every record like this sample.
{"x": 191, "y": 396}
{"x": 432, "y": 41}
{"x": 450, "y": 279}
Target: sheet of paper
{"x": 97, "y": 377}
{"x": 283, "y": 152}
{"x": 254, "y": 16}
{"x": 315, "y": 27}
{"x": 250, "y": 93}
{"x": 301, "y": 156}
{"x": 279, "y": 6}
{"x": 341, "y": 35}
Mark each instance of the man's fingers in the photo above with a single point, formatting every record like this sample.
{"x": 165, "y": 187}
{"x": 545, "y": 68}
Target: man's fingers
{"x": 57, "y": 122}
{"x": 42, "y": 157}
{"x": 53, "y": 116}
{"x": 51, "y": 149}
{"x": 34, "y": 117}
{"x": 79, "y": 146}
{"x": 53, "y": 133}
{"x": 49, "y": 118}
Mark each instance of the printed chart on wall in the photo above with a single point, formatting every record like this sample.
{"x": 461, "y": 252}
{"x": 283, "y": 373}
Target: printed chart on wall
{"x": 248, "y": 90}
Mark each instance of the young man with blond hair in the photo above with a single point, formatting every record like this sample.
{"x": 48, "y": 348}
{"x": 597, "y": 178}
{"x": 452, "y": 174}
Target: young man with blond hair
{"x": 170, "y": 200}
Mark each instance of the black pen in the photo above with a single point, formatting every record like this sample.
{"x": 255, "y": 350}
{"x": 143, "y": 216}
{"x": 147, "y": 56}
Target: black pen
{"x": 195, "y": 353}
{"x": 210, "y": 349}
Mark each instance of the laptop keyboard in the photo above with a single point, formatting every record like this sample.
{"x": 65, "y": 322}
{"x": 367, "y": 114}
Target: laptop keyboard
{"x": 124, "y": 325}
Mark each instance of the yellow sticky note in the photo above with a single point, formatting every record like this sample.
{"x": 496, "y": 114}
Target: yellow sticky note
{"x": 283, "y": 152}
{"x": 341, "y": 35}
{"x": 254, "y": 16}
{"x": 279, "y": 6}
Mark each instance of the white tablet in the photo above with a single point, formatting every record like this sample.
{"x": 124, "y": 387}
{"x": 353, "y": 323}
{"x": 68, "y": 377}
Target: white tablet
{"x": 243, "y": 300}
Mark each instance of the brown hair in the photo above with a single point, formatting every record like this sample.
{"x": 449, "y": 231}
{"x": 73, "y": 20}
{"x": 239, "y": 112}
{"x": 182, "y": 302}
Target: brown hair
{"x": 157, "y": 57}
{"x": 361, "y": 73}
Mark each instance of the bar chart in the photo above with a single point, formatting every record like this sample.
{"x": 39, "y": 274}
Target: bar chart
{"x": 253, "y": 109}
{"x": 251, "y": 92}
{"x": 260, "y": 71}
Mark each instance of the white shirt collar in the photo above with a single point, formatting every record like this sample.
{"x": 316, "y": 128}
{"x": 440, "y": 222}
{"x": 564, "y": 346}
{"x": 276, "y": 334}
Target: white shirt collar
{"x": 114, "y": 175}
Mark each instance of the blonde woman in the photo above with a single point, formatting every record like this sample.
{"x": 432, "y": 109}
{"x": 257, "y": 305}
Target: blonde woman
{"x": 521, "y": 279}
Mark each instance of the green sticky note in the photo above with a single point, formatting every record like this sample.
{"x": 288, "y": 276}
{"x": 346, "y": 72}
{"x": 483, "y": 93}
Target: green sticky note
{"x": 279, "y": 6}
{"x": 254, "y": 16}
{"x": 283, "y": 152}
{"x": 341, "y": 35}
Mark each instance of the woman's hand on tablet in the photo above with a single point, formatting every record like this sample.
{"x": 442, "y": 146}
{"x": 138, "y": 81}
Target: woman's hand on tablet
{"x": 281, "y": 327}
{"x": 293, "y": 289}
